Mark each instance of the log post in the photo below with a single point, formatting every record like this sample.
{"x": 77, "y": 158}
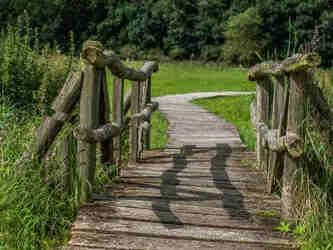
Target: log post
{"x": 295, "y": 118}
{"x": 262, "y": 110}
{"x": 107, "y": 145}
{"x": 118, "y": 109}
{"x": 89, "y": 119}
{"x": 146, "y": 136}
{"x": 134, "y": 126}
{"x": 275, "y": 159}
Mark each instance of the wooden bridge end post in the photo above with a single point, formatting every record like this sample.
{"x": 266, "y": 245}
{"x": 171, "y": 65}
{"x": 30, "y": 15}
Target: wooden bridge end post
{"x": 89, "y": 119}
{"x": 295, "y": 119}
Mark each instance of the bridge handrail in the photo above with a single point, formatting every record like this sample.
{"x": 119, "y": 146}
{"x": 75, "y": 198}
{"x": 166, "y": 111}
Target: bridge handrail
{"x": 278, "y": 115}
{"x": 88, "y": 89}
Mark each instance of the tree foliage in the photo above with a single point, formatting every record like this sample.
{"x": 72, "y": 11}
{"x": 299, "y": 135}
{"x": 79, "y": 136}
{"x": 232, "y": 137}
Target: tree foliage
{"x": 181, "y": 29}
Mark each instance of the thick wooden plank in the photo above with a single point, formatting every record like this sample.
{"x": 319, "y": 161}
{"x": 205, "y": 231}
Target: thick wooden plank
{"x": 87, "y": 240}
{"x": 184, "y": 232}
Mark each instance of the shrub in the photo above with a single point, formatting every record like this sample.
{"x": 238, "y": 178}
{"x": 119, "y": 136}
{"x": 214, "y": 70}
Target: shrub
{"x": 212, "y": 53}
{"x": 30, "y": 75}
{"x": 244, "y": 41}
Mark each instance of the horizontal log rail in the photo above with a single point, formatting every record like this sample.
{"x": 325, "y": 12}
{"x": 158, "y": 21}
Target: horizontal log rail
{"x": 278, "y": 115}
{"x": 98, "y": 124}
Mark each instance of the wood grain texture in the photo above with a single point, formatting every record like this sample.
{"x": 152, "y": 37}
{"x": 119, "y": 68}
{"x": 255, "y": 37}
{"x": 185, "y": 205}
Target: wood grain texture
{"x": 199, "y": 193}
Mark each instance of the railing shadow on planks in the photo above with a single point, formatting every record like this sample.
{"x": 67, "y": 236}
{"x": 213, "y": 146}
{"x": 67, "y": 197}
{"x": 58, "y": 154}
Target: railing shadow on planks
{"x": 278, "y": 114}
{"x": 89, "y": 89}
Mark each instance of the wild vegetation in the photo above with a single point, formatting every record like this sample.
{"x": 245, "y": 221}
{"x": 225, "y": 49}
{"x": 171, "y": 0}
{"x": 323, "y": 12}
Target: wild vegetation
{"x": 183, "y": 29}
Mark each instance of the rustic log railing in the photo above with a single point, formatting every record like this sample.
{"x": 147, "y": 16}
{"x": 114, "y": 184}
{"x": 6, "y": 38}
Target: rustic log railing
{"x": 89, "y": 88}
{"x": 279, "y": 114}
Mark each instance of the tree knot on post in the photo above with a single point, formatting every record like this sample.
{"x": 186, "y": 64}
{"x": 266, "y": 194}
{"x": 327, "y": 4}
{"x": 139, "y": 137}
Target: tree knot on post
{"x": 293, "y": 145}
{"x": 93, "y": 53}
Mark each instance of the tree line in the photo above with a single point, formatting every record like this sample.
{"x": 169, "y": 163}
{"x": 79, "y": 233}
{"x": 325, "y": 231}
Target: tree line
{"x": 234, "y": 31}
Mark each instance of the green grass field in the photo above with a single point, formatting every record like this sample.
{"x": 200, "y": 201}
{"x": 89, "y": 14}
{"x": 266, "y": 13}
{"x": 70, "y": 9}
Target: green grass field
{"x": 178, "y": 78}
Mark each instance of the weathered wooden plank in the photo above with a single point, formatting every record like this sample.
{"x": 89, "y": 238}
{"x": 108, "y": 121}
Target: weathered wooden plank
{"x": 86, "y": 240}
{"x": 89, "y": 119}
{"x": 186, "y": 232}
{"x": 109, "y": 213}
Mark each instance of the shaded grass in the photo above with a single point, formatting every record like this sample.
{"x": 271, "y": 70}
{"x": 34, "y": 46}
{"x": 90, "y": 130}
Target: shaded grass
{"x": 235, "y": 110}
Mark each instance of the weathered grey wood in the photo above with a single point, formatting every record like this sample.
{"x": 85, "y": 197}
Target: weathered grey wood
{"x": 101, "y": 134}
{"x": 66, "y": 154}
{"x": 298, "y": 62}
{"x": 89, "y": 119}
{"x": 69, "y": 93}
{"x": 47, "y": 132}
{"x": 296, "y": 115}
{"x": 94, "y": 53}
{"x": 134, "y": 124}
{"x": 127, "y": 101}
{"x": 107, "y": 130}
{"x": 118, "y": 117}
{"x": 262, "y": 109}
{"x": 197, "y": 194}
{"x": 275, "y": 159}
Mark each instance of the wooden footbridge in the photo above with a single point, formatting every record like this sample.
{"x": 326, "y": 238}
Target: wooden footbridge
{"x": 204, "y": 190}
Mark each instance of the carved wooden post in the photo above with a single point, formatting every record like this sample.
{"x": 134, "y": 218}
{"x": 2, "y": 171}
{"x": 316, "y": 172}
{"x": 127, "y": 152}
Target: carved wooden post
{"x": 89, "y": 119}
{"x": 262, "y": 118}
{"x": 134, "y": 127}
{"x": 118, "y": 109}
{"x": 295, "y": 118}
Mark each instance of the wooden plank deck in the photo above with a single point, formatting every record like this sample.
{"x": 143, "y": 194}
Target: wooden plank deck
{"x": 199, "y": 193}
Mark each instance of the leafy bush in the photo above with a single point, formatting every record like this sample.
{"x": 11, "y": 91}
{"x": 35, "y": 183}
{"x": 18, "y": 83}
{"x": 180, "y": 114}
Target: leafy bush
{"x": 30, "y": 75}
{"x": 212, "y": 53}
{"x": 244, "y": 40}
